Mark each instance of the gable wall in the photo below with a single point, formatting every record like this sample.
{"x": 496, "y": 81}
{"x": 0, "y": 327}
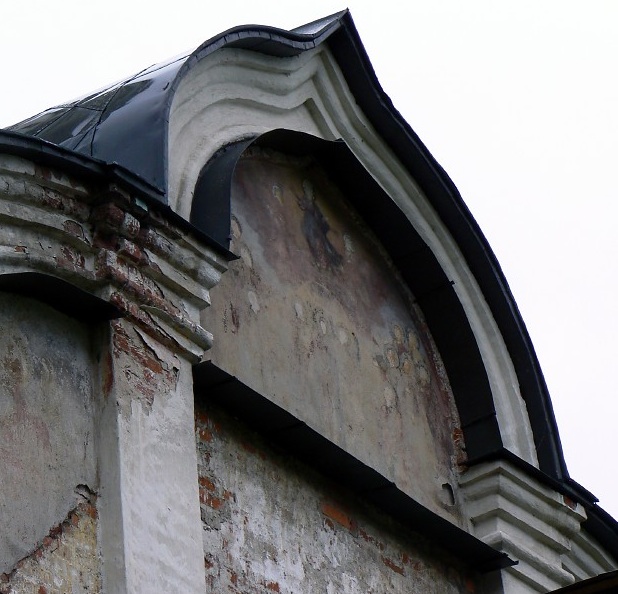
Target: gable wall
{"x": 271, "y": 524}
{"x": 313, "y": 316}
{"x": 249, "y": 94}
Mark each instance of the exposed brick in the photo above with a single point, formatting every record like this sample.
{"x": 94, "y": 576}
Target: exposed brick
{"x": 206, "y": 482}
{"x": 207, "y": 498}
{"x": 66, "y": 561}
{"x": 131, "y": 251}
{"x": 371, "y": 540}
{"x": 338, "y": 515}
{"x": 270, "y": 525}
{"x": 201, "y": 418}
{"x": 392, "y": 565}
{"x": 108, "y": 216}
{"x": 91, "y": 510}
{"x": 204, "y": 434}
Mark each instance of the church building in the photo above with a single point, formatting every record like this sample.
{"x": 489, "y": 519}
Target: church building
{"x": 254, "y": 342}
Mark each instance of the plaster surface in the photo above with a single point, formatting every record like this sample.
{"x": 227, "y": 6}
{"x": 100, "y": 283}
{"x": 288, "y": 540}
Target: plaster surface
{"x": 149, "y": 508}
{"x": 46, "y": 422}
{"x": 270, "y": 525}
{"x": 249, "y": 94}
{"x": 314, "y": 316}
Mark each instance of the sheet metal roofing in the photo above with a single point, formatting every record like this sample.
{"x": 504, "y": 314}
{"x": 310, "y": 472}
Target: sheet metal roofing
{"x": 126, "y": 123}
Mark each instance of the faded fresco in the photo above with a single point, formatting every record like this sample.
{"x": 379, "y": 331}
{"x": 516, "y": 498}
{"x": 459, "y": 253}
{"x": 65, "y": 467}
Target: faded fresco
{"x": 314, "y": 316}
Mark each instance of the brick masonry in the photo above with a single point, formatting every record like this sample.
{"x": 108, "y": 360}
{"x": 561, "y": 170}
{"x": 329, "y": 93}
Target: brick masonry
{"x": 67, "y": 559}
{"x": 272, "y": 525}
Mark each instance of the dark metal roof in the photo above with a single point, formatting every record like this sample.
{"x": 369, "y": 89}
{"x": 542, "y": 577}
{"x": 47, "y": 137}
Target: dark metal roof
{"x": 121, "y": 132}
{"x": 126, "y": 123}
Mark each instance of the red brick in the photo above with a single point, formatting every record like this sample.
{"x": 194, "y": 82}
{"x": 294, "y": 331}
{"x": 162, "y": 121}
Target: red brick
{"x": 210, "y": 500}
{"x": 371, "y": 540}
{"x": 391, "y": 565}
{"x": 338, "y": 515}
{"x": 201, "y": 417}
{"x": 204, "y": 434}
{"x": 207, "y": 483}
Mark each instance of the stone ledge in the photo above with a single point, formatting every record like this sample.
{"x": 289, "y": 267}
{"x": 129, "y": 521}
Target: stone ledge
{"x": 112, "y": 245}
{"x": 525, "y": 519}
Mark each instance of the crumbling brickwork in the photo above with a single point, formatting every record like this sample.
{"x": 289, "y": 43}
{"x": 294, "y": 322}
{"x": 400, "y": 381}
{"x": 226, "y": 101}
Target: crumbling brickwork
{"x": 272, "y": 525}
{"x": 67, "y": 560}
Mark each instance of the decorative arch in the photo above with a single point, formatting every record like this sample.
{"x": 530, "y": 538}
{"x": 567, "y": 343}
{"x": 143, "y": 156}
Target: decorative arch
{"x": 250, "y": 95}
{"x": 420, "y": 269}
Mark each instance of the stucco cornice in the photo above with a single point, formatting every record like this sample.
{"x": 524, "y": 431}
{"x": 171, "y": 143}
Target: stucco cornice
{"x": 97, "y": 252}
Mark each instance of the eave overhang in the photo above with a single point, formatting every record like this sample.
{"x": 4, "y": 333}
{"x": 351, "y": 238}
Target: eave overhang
{"x": 299, "y": 440}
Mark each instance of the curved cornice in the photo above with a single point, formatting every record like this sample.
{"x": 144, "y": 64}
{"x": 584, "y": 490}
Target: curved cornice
{"x": 127, "y": 123}
{"x": 237, "y": 95}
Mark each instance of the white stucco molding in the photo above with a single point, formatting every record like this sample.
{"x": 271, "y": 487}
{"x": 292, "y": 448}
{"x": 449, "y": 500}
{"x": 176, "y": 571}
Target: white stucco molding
{"x": 533, "y": 524}
{"x": 110, "y": 245}
{"x": 156, "y": 274}
{"x": 233, "y": 94}
{"x": 586, "y": 558}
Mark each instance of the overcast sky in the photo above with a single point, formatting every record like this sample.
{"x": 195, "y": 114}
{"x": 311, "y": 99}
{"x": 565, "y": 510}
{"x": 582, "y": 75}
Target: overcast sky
{"x": 517, "y": 100}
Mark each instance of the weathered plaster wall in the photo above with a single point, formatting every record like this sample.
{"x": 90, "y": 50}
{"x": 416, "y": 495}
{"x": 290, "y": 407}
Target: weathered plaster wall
{"x": 46, "y": 422}
{"x": 107, "y": 242}
{"x": 66, "y": 561}
{"x": 149, "y": 508}
{"x": 314, "y": 316}
{"x": 272, "y": 525}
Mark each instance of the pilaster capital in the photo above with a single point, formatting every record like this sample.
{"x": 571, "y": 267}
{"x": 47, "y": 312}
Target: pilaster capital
{"x": 534, "y": 524}
{"x": 99, "y": 247}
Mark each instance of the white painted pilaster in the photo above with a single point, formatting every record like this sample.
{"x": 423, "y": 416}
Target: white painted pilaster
{"x": 529, "y": 521}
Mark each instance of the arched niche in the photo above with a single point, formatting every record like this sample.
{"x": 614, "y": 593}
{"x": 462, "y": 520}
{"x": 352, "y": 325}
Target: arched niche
{"x": 233, "y": 96}
{"x": 334, "y": 308}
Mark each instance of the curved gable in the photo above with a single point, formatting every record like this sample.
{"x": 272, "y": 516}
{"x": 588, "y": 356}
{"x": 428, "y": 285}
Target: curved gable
{"x": 249, "y": 95}
{"x": 187, "y": 140}
{"x": 318, "y": 80}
